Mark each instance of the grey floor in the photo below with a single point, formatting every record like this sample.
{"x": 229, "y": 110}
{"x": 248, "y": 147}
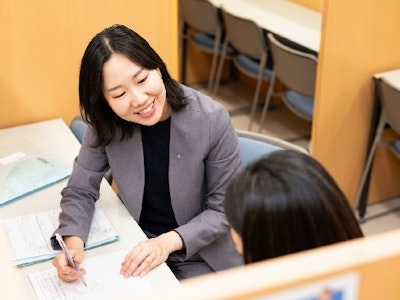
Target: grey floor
{"x": 280, "y": 122}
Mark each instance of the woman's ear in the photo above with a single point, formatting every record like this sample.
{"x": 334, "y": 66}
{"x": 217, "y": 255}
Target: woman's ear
{"x": 237, "y": 240}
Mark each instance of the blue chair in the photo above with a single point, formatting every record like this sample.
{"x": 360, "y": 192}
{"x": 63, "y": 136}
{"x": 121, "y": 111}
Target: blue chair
{"x": 78, "y": 127}
{"x": 250, "y": 53}
{"x": 254, "y": 145}
{"x": 296, "y": 69}
{"x": 202, "y": 25}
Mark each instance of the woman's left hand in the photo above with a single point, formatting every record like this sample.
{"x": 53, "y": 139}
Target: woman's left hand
{"x": 150, "y": 253}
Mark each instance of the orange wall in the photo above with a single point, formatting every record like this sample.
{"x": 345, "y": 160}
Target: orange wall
{"x": 313, "y": 4}
{"x": 354, "y": 46}
{"x": 42, "y": 42}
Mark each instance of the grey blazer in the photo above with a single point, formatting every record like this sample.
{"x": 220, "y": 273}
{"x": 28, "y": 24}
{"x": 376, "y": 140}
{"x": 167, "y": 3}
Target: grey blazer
{"x": 204, "y": 155}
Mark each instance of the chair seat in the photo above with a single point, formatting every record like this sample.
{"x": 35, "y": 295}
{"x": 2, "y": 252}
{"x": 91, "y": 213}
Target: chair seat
{"x": 300, "y": 104}
{"x": 251, "y": 149}
{"x": 206, "y": 43}
{"x": 395, "y": 148}
{"x": 250, "y": 66}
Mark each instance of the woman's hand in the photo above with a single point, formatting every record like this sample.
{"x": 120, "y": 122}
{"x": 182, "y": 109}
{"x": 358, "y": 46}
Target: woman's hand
{"x": 64, "y": 270}
{"x": 150, "y": 253}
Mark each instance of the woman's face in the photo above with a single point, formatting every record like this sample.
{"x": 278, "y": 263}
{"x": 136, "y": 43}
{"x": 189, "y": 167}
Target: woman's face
{"x": 133, "y": 93}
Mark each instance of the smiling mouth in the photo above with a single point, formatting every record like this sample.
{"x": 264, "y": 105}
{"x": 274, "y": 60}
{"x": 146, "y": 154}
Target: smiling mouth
{"x": 147, "y": 109}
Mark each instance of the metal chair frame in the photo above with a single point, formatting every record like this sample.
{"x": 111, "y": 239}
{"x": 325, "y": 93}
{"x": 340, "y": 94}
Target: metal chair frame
{"x": 296, "y": 69}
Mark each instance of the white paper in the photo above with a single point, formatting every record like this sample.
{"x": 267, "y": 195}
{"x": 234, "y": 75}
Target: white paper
{"x": 103, "y": 281}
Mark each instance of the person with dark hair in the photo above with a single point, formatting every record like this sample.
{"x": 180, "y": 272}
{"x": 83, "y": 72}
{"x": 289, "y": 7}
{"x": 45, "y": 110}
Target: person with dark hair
{"x": 286, "y": 202}
{"x": 172, "y": 152}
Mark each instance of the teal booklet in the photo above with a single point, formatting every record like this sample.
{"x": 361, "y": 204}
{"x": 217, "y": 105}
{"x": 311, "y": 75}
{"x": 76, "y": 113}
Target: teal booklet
{"x": 29, "y": 235}
{"x": 22, "y": 174}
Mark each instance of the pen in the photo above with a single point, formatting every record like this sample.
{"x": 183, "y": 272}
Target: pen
{"x": 69, "y": 257}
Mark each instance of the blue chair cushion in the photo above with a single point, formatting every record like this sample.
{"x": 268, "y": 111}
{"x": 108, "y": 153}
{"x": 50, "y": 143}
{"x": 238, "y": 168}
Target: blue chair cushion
{"x": 206, "y": 43}
{"x": 78, "y": 128}
{"x": 251, "y": 150}
{"x": 395, "y": 148}
{"x": 301, "y": 104}
{"x": 251, "y": 66}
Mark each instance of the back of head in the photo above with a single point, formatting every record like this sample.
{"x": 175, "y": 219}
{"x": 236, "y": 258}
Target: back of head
{"x": 287, "y": 202}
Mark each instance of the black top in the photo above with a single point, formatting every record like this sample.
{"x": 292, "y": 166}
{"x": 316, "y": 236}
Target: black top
{"x": 157, "y": 215}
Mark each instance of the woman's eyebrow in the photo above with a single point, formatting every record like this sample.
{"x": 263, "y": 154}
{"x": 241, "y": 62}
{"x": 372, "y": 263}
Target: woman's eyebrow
{"x": 118, "y": 86}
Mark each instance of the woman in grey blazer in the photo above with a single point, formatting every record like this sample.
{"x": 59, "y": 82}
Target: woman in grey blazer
{"x": 172, "y": 152}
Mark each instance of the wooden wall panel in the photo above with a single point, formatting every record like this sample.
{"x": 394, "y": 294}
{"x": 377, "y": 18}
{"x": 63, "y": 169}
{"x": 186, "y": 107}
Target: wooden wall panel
{"x": 354, "y": 46}
{"x": 43, "y": 42}
{"x": 313, "y": 4}
{"x": 375, "y": 260}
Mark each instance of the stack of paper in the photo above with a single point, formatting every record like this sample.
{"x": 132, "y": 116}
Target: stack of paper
{"x": 29, "y": 235}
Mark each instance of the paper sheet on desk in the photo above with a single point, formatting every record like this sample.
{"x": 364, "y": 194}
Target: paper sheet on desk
{"x": 29, "y": 235}
{"x": 22, "y": 174}
{"x": 102, "y": 276}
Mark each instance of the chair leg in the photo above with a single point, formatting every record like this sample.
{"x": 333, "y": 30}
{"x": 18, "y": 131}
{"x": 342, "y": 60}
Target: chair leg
{"x": 257, "y": 92}
{"x": 267, "y": 101}
{"x": 219, "y": 69}
{"x": 184, "y": 53}
{"x": 214, "y": 63}
{"x": 371, "y": 154}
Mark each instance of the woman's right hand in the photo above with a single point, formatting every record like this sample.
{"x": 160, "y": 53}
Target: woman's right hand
{"x": 65, "y": 271}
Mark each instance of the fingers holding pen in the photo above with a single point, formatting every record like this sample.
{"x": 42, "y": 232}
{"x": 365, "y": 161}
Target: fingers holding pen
{"x": 64, "y": 270}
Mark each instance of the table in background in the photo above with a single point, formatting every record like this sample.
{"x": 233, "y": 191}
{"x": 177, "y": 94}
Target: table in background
{"x": 290, "y": 20}
{"x": 393, "y": 77}
{"x": 56, "y": 139}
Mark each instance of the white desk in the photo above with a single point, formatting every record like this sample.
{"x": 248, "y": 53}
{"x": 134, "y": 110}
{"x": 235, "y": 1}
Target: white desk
{"x": 56, "y": 139}
{"x": 290, "y": 20}
{"x": 393, "y": 77}
{"x": 377, "y": 125}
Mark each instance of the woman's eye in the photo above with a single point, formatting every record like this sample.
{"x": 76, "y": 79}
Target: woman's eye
{"x": 142, "y": 80}
{"x": 120, "y": 95}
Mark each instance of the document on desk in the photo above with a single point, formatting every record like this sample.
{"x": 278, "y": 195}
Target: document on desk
{"x": 22, "y": 174}
{"x": 29, "y": 235}
{"x": 103, "y": 281}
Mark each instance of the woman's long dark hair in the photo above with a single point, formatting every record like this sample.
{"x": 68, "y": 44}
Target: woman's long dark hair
{"x": 287, "y": 202}
{"x": 94, "y": 108}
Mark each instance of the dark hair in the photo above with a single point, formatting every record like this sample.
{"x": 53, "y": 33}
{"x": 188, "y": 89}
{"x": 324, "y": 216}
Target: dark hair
{"x": 94, "y": 108}
{"x": 287, "y": 202}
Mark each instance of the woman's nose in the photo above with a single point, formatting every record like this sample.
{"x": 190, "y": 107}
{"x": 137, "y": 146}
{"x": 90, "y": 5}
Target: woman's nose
{"x": 139, "y": 97}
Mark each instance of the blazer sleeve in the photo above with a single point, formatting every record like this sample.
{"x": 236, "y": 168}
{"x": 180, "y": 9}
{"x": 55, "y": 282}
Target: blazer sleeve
{"x": 82, "y": 190}
{"x": 222, "y": 161}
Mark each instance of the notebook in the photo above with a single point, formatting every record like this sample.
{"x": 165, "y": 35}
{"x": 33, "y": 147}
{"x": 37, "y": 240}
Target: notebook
{"x": 29, "y": 235}
{"x": 22, "y": 174}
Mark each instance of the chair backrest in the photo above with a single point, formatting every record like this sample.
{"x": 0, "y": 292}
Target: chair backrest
{"x": 201, "y": 15}
{"x": 294, "y": 68}
{"x": 244, "y": 35}
{"x": 78, "y": 127}
{"x": 390, "y": 100}
{"x": 254, "y": 145}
